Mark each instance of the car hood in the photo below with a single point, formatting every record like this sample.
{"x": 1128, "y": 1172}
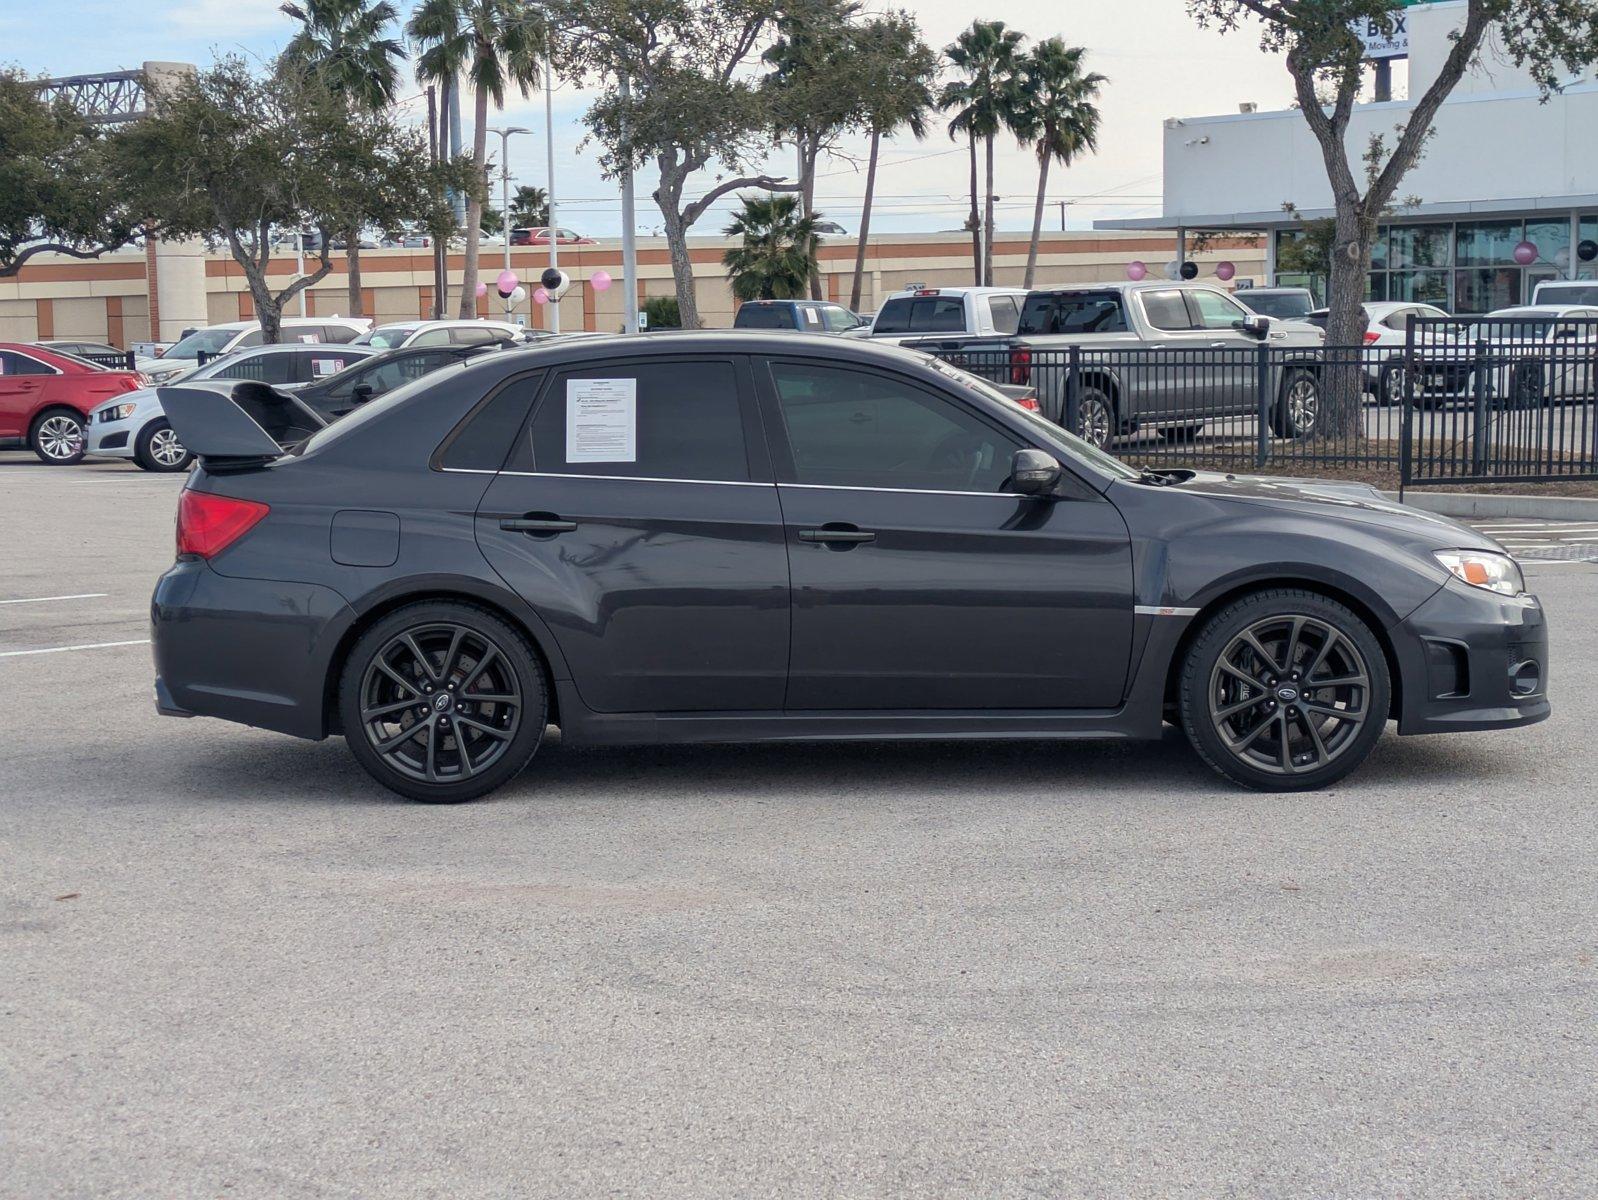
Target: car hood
{"x": 1335, "y": 500}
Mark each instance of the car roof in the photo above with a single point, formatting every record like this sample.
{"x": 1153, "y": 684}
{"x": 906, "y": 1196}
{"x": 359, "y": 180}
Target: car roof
{"x": 299, "y": 348}
{"x": 1542, "y": 310}
{"x": 444, "y": 322}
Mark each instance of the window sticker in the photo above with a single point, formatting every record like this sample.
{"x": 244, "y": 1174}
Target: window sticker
{"x": 326, "y": 366}
{"x": 601, "y": 420}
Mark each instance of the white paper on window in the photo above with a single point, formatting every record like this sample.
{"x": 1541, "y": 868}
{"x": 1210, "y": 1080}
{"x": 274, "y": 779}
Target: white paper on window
{"x": 601, "y": 420}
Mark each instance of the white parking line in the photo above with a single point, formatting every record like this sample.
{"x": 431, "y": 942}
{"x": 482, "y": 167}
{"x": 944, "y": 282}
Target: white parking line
{"x": 64, "y": 649}
{"x": 47, "y": 599}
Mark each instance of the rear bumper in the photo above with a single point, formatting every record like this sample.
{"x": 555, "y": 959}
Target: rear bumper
{"x": 1471, "y": 660}
{"x": 253, "y": 651}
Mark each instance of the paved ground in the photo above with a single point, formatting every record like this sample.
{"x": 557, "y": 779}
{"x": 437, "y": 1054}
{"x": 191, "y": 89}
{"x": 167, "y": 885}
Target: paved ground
{"x": 230, "y": 966}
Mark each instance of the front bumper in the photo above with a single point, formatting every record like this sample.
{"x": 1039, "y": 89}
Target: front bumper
{"x": 1470, "y": 660}
{"x": 111, "y": 439}
{"x": 255, "y": 651}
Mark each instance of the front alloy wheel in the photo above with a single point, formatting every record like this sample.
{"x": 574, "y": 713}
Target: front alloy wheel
{"x": 1299, "y": 410}
{"x": 1095, "y": 417}
{"x": 1285, "y": 691}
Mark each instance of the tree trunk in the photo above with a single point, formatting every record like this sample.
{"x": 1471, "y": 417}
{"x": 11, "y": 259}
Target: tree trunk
{"x": 352, "y": 263}
{"x": 1342, "y": 388}
{"x": 865, "y": 222}
{"x": 668, "y": 196}
{"x": 1037, "y": 220}
{"x": 474, "y": 206}
{"x": 987, "y": 220}
{"x": 811, "y": 151}
{"x": 976, "y": 217}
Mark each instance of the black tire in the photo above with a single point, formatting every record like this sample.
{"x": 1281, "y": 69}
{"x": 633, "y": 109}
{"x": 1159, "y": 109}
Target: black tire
{"x": 50, "y": 437}
{"x": 1326, "y": 731}
{"x": 153, "y": 448}
{"x": 1390, "y": 384}
{"x": 1298, "y": 405}
{"x": 1095, "y": 416}
{"x": 1526, "y": 387}
{"x": 1181, "y": 434}
{"x": 441, "y": 770}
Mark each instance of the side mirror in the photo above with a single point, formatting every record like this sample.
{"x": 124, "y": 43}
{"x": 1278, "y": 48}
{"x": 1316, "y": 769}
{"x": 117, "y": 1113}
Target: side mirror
{"x": 1033, "y": 473}
{"x": 1254, "y": 325}
{"x": 361, "y": 393}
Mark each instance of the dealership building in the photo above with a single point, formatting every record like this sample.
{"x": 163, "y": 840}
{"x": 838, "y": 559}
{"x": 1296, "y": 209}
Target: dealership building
{"x": 1503, "y": 167}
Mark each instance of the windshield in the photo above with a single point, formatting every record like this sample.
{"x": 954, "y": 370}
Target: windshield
{"x": 202, "y": 341}
{"x": 1507, "y": 330}
{"x": 1075, "y": 446}
{"x": 764, "y": 316}
{"x": 1284, "y": 306}
{"x": 386, "y": 337}
{"x": 1566, "y": 293}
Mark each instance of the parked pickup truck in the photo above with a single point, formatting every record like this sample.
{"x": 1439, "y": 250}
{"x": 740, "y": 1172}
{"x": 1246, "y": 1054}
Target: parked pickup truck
{"x": 1153, "y": 354}
{"x": 948, "y": 312}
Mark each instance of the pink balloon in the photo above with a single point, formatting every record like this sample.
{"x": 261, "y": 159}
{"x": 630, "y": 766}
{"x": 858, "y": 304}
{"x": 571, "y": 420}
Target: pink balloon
{"x": 1136, "y": 270}
{"x": 482, "y": 289}
{"x": 1526, "y": 253}
{"x": 600, "y": 280}
{"x": 1224, "y": 271}
{"x": 507, "y": 282}
{"x": 540, "y": 297}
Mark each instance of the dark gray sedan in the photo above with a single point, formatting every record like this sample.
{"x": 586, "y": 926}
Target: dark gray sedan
{"x": 724, "y": 537}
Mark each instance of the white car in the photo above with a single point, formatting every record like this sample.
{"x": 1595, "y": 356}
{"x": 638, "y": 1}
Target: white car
{"x": 439, "y": 333}
{"x": 1386, "y": 333}
{"x": 932, "y": 312}
{"x": 134, "y": 425}
{"x": 1522, "y": 357}
{"x": 213, "y": 340}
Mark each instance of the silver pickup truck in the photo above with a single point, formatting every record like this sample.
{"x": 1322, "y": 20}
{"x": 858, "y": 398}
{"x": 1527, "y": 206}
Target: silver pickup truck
{"x": 1110, "y": 358}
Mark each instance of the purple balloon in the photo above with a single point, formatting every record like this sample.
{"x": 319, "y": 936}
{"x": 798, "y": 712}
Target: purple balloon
{"x": 1224, "y": 271}
{"x": 507, "y": 282}
{"x": 1526, "y": 253}
{"x": 600, "y": 280}
{"x": 1136, "y": 269}
{"x": 482, "y": 289}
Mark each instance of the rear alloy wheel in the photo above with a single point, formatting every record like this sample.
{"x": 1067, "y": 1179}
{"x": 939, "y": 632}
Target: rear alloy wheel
{"x": 443, "y": 702}
{"x": 1526, "y": 386}
{"x": 1390, "y": 384}
{"x": 1095, "y": 417}
{"x": 57, "y": 437}
{"x": 1298, "y": 411}
{"x": 158, "y": 449}
{"x": 1285, "y": 691}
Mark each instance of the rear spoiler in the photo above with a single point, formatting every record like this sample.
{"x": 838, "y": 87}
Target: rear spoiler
{"x": 237, "y": 428}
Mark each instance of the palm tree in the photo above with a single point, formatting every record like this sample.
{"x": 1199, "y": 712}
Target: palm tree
{"x": 344, "y": 43}
{"x": 777, "y": 254}
{"x": 899, "y": 69}
{"x": 1057, "y": 114}
{"x": 495, "y": 42}
{"x": 984, "y": 102}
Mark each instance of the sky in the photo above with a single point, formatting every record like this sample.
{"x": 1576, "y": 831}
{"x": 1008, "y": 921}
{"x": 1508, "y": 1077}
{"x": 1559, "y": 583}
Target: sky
{"x": 1159, "y": 64}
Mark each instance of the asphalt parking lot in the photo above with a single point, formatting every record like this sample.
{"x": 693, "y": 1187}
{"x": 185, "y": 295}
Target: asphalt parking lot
{"x": 231, "y": 965}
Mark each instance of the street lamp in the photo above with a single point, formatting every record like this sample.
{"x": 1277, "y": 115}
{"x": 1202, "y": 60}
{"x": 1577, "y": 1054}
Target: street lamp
{"x": 504, "y": 177}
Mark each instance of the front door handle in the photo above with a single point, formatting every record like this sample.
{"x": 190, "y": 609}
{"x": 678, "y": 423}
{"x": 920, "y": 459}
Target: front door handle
{"x": 537, "y": 524}
{"x": 844, "y": 535}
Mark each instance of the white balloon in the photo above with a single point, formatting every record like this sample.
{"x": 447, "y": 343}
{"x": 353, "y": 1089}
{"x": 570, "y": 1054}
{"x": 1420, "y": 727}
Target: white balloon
{"x": 518, "y": 295}
{"x": 1173, "y": 270}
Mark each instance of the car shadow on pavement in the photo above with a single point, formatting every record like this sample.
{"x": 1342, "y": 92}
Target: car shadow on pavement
{"x": 293, "y": 771}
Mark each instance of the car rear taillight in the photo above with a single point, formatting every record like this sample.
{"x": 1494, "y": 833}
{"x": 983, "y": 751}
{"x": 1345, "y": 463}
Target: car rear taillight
{"x": 1020, "y": 366}
{"x": 1029, "y": 402}
{"x": 208, "y": 524}
{"x": 1372, "y": 337}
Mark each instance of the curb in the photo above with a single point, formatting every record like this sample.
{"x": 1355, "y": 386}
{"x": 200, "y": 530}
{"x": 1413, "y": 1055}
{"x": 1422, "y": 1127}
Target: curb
{"x": 1474, "y": 504}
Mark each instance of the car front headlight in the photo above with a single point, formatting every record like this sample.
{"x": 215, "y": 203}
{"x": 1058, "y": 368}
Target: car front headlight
{"x": 118, "y": 412}
{"x": 161, "y": 375}
{"x": 1484, "y": 569}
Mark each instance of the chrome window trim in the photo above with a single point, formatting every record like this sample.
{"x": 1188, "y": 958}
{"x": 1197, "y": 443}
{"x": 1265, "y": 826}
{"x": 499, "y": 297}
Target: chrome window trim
{"x": 612, "y": 478}
{"x": 1157, "y": 610}
{"x": 844, "y": 487}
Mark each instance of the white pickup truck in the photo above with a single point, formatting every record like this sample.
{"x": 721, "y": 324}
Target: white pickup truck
{"x": 919, "y": 312}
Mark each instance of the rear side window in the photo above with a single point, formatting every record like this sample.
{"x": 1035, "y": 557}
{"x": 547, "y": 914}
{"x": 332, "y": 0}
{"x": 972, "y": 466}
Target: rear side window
{"x": 1167, "y": 310}
{"x": 922, "y": 314}
{"x": 465, "y": 336}
{"x": 662, "y": 420}
{"x": 483, "y": 440}
{"x": 21, "y": 364}
{"x": 1079, "y": 312}
{"x": 339, "y": 334}
{"x": 1006, "y": 317}
{"x": 764, "y": 316}
{"x": 266, "y": 368}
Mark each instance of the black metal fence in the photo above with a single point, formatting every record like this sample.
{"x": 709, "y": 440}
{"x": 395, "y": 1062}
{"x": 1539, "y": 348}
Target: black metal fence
{"x": 1501, "y": 399}
{"x": 122, "y": 360}
{"x": 1225, "y": 407}
{"x": 1455, "y": 401}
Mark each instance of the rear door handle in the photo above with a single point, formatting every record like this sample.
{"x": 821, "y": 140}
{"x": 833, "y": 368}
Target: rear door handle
{"x": 536, "y": 525}
{"x": 844, "y": 535}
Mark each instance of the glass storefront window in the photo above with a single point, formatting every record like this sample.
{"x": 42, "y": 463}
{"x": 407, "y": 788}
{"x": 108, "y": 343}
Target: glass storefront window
{"x": 1379, "y": 252}
{"x": 1588, "y": 233}
{"x": 1376, "y": 286}
{"x": 1421, "y": 287}
{"x": 1486, "y": 289}
{"x": 1421, "y": 246}
{"x": 1486, "y": 244}
{"x": 1552, "y": 239}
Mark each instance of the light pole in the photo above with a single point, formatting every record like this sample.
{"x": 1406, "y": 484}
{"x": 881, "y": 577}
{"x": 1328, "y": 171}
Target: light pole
{"x": 504, "y": 180}
{"x": 549, "y": 146}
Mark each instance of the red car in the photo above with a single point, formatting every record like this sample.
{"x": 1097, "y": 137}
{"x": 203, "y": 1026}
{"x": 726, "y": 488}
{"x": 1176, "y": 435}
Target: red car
{"x": 45, "y": 397}
{"x": 538, "y": 235}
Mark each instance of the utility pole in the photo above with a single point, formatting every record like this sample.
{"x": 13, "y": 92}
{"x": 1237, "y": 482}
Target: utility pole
{"x": 549, "y": 147}
{"x": 629, "y": 221}
{"x": 1062, "y": 204}
{"x": 435, "y": 139}
{"x": 504, "y": 182}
